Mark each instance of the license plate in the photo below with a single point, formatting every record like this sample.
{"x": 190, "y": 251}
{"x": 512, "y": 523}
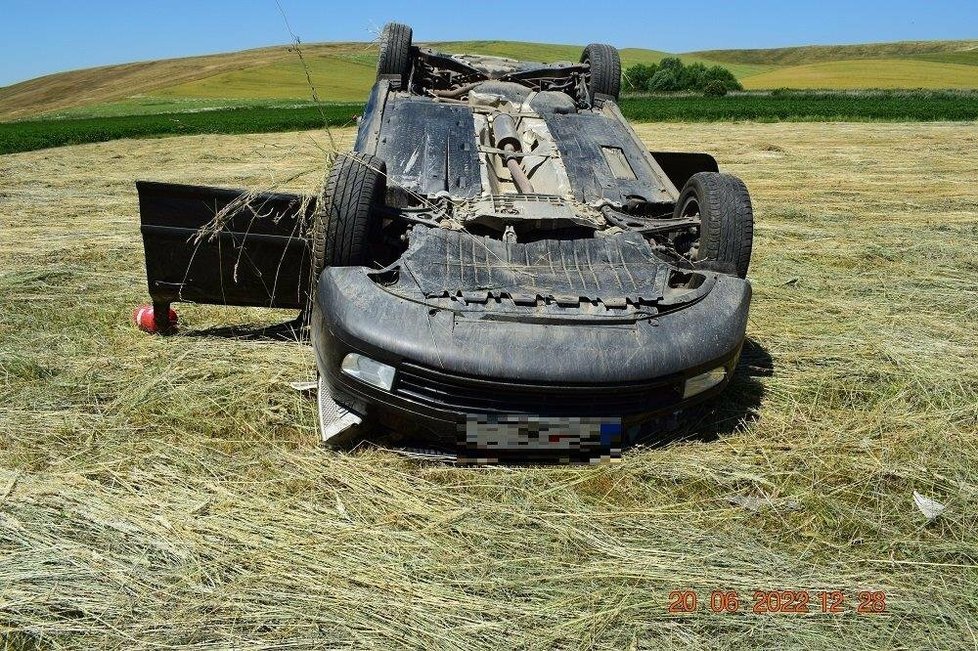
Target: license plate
{"x": 490, "y": 437}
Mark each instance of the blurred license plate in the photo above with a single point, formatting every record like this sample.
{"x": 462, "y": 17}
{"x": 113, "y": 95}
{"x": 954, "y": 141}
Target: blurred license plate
{"x": 533, "y": 435}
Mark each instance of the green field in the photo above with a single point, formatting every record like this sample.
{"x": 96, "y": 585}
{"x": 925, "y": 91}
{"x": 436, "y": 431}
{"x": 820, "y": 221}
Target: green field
{"x": 795, "y": 106}
{"x": 127, "y": 120}
{"x": 139, "y": 105}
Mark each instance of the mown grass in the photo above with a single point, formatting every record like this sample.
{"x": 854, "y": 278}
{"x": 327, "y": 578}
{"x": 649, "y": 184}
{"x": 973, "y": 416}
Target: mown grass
{"x": 270, "y": 117}
{"x": 171, "y": 493}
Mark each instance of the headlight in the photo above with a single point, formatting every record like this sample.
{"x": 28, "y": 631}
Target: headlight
{"x": 700, "y": 383}
{"x": 368, "y": 370}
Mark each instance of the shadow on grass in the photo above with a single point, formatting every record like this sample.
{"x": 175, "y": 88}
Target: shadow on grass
{"x": 735, "y": 408}
{"x": 292, "y": 330}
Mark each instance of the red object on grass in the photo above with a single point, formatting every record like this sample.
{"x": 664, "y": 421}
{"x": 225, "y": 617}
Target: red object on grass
{"x": 145, "y": 319}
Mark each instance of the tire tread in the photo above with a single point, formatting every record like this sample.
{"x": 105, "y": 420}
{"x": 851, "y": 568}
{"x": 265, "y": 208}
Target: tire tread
{"x": 726, "y": 216}
{"x": 395, "y": 51}
{"x": 605, "y": 69}
{"x": 345, "y": 223}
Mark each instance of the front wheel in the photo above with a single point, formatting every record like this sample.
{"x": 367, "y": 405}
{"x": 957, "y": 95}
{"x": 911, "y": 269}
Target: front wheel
{"x": 347, "y": 225}
{"x": 723, "y": 205}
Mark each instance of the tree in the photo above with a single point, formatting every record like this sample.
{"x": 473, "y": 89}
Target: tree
{"x": 693, "y": 77}
{"x": 671, "y": 63}
{"x": 671, "y": 75}
{"x": 724, "y": 76}
{"x": 665, "y": 80}
{"x": 637, "y": 77}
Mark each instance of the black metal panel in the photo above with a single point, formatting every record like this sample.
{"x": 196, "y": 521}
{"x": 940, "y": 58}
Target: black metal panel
{"x": 258, "y": 258}
{"x": 581, "y": 138}
{"x": 679, "y": 166}
{"x": 373, "y": 115}
{"x": 610, "y": 269}
{"x": 430, "y": 147}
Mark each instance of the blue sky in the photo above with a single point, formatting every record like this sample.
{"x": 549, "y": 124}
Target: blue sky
{"x": 42, "y": 36}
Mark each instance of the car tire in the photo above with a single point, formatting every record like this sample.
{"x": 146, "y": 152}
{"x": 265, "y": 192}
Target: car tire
{"x": 347, "y": 224}
{"x": 605, "y": 74}
{"x": 395, "y": 52}
{"x": 726, "y": 220}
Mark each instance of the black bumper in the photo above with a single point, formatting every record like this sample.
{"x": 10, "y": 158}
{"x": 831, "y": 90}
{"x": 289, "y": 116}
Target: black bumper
{"x": 450, "y": 366}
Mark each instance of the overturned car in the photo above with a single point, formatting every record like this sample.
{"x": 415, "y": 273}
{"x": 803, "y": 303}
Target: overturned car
{"x": 499, "y": 267}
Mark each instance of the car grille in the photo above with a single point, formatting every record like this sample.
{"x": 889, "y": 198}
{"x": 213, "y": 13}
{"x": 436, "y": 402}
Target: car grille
{"x": 480, "y": 395}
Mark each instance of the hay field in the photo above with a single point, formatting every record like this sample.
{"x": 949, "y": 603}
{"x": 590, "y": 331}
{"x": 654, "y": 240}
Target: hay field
{"x": 170, "y": 493}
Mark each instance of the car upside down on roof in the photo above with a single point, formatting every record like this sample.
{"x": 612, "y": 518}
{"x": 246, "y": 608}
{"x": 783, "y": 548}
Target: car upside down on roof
{"x": 499, "y": 267}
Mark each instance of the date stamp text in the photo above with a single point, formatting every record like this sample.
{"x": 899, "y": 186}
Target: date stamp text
{"x": 780, "y": 602}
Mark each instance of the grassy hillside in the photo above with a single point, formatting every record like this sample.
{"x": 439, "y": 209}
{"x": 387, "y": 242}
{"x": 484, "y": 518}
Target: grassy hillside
{"x": 868, "y": 73}
{"x": 336, "y": 78}
{"x": 344, "y": 72}
{"x": 346, "y": 76}
{"x": 111, "y": 83}
{"x": 340, "y": 71}
{"x": 945, "y": 51}
{"x": 908, "y": 64}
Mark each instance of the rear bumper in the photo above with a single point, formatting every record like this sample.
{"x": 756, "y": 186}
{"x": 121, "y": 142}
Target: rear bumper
{"x": 450, "y": 367}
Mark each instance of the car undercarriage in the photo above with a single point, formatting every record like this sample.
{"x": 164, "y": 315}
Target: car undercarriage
{"x": 500, "y": 265}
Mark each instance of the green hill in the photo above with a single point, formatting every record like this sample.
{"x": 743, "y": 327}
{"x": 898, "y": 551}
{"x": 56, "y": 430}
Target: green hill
{"x": 340, "y": 72}
{"x": 868, "y": 73}
{"x": 345, "y": 72}
{"x": 940, "y": 51}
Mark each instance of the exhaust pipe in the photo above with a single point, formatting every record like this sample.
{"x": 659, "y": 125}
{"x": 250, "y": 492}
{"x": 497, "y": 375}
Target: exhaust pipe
{"x": 506, "y": 137}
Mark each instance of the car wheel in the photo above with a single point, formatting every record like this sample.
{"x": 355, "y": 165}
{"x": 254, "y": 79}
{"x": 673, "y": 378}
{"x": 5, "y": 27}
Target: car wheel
{"x": 395, "y": 52}
{"x": 722, "y": 203}
{"x": 605, "y": 74}
{"x": 347, "y": 225}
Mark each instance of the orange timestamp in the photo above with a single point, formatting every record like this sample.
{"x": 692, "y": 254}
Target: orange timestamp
{"x": 786, "y": 602}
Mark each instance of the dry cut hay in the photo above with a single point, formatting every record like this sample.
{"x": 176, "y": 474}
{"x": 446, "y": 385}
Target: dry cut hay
{"x": 172, "y": 493}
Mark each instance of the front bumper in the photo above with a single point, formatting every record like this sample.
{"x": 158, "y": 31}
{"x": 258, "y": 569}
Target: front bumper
{"x": 451, "y": 366}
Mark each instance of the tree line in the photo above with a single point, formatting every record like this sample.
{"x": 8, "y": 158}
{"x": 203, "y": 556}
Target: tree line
{"x": 672, "y": 75}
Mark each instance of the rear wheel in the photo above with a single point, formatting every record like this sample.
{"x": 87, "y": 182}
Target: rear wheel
{"x": 722, "y": 203}
{"x": 605, "y": 70}
{"x": 347, "y": 225}
{"x": 395, "y": 52}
